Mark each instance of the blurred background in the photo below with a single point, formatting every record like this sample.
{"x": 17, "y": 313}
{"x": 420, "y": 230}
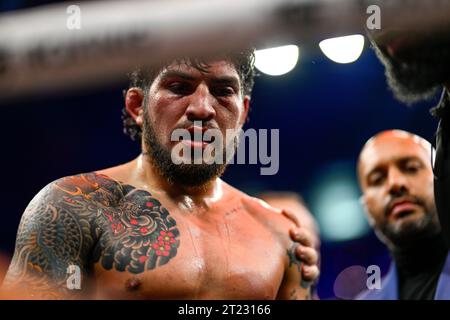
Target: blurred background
{"x": 325, "y": 111}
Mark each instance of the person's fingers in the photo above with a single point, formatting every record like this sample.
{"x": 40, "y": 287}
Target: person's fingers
{"x": 307, "y": 254}
{"x": 293, "y": 216}
{"x": 302, "y": 236}
{"x": 310, "y": 273}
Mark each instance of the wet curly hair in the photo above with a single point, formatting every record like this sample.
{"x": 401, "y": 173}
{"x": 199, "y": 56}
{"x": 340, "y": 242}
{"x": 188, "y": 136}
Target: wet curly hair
{"x": 142, "y": 78}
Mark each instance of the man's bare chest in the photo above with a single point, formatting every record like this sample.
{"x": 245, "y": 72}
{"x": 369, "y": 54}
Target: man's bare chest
{"x": 145, "y": 250}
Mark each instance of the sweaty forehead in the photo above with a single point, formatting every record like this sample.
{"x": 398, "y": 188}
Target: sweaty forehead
{"x": 212, "y": 69}
{"x": 392, "y": 147}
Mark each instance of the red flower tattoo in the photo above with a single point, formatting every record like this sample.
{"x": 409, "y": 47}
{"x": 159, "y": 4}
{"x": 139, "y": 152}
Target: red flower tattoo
{"x": 163, "y": 246}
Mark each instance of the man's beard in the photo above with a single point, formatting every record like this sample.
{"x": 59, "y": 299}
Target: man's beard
{"x": 409, "y": 233}
{"x": 423, "y": 71}
{"x": 187, "y": 175}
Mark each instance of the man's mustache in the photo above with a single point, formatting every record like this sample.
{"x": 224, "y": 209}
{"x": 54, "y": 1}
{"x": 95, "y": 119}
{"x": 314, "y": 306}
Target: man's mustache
{"x": 403, "y": 198}
{"x": 204, "y": 124}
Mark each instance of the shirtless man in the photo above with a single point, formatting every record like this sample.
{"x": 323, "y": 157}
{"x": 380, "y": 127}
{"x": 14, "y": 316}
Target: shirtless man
{"x": 151, "y": 229}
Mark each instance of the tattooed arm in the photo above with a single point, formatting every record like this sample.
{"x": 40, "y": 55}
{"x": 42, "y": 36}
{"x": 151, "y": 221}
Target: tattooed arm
{"x": 293, "y": 286}
{"x": 53, "y": 244}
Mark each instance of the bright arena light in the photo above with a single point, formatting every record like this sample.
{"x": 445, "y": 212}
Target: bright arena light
{"x": 277, "y": 61}
{"x": 336, "y": 206}
{"x": 343, "y": 49}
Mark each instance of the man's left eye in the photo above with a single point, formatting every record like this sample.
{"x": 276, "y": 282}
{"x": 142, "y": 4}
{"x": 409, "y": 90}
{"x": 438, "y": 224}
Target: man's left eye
{"x": 223, "y": 91}
{"x": 412, "y": 168}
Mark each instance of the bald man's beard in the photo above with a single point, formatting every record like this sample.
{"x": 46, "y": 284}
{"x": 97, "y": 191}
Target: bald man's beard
{"x": 403, "y": 234}
{"x": 422, "y": 72}
{"x": 187, "y": 175}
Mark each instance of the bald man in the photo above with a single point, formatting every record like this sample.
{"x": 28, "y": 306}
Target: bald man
{"x": 417, "y": 66}
{"x": 396, "y": 178}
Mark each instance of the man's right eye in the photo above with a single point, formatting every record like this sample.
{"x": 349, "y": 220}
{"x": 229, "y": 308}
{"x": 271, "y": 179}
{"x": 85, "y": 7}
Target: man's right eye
{"x": 376, "y": 180}
{"x": 180, "y": 87}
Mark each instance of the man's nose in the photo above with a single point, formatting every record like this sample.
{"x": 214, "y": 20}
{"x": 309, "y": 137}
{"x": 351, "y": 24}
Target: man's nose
{"x": 397, "y": 183}
{"x": 201, "y": 104}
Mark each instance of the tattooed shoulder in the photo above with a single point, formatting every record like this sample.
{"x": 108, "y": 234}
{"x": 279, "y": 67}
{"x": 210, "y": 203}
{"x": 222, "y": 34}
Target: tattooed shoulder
{"x": 57, "y": 230}
{"x": 88, "y": 218}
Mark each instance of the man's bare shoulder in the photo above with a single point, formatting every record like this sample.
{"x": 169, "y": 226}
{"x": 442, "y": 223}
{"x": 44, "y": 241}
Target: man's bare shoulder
{"x": 261, "y": 209}
{"x": 259, "y": 206}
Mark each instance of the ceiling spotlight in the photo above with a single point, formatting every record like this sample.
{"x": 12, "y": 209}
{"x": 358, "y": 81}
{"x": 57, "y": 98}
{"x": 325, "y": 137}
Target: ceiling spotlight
{"x": 277, "y": 61}
{"x": 343, "y": 49}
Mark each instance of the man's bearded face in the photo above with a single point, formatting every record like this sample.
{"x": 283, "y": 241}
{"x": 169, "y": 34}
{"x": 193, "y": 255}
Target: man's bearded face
{"x": 183, "y": 97}
{"x": 417, "y": 65}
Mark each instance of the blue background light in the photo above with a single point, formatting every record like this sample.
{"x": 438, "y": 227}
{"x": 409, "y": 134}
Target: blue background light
{"x": 335, "y": 202}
